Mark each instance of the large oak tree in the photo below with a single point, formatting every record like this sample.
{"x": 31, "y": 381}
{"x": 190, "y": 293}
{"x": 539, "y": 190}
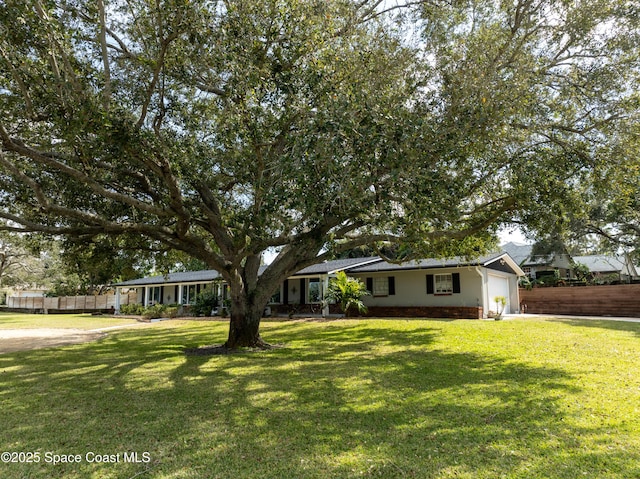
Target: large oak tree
{"x": 228, "y": 128}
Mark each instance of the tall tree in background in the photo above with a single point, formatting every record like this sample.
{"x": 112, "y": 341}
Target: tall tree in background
{"x": 224, "y": 129}
{"x": 90, "y": 266}
{"x": 20, "y": 266}
{"x": 612, "y": 219}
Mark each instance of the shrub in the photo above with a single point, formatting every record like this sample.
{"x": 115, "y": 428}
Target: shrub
{"x": 155, "y": 311}
{"x": 348, "y": 293}
{"x": 135, "y": 309}
{"x": 525, "y": 282}
{"x": 205, "y": 302}
{"x": 151, "y": 312}
{"x": 501, "y": 302}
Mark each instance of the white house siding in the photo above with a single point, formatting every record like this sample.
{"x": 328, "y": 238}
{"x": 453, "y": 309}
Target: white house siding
{"x": 411, "y": 288}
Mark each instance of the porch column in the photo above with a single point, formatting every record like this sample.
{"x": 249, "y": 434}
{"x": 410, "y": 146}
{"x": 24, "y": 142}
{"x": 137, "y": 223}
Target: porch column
{"x": 484, "y": 300}
{"x": 179, "y": 298}
{"x": 146, "y": 296}
{"x": 325, "y": 303}
{"x": 118, "y": 300}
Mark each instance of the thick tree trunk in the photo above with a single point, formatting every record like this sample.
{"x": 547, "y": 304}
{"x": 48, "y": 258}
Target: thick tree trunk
{"x": 250, "y": 293}
{"x": 244, "y": 326}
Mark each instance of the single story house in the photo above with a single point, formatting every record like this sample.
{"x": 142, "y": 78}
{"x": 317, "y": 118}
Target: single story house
{"x": 452, "y": 288}
{"x": 539, "y": 266}
{"x": 609, "y": 267}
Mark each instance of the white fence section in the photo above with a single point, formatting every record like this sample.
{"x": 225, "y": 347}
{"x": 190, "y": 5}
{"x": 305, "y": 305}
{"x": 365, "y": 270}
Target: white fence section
{"x": 70, "y": 303}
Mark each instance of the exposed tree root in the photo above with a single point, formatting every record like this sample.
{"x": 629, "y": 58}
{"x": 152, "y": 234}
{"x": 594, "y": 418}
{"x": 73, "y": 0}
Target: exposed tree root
{"x": 222, "y": 349}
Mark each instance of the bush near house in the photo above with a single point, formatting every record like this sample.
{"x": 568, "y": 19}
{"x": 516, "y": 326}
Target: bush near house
{"x": 135, "y": 309}
{"x": 150, "y": 312}
{"x": 348, "y": 293}
{"x": 205, "y": 303}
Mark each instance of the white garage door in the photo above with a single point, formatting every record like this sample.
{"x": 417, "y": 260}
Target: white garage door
{"x": 498, "y": 286}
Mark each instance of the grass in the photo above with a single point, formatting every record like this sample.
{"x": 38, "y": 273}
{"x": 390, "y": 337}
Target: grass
{"x": 56, "y": 321}
{"x": 343, "y": 399}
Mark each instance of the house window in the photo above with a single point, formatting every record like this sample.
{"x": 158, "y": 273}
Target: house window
{"x": 382, "y": 286}
{"x": 448, "y": 283}
{"x": 155, "y": 295}
{"x": 189, "y": 293}
{"x": 315, "y": 290}
{"x": 443, "y": 283}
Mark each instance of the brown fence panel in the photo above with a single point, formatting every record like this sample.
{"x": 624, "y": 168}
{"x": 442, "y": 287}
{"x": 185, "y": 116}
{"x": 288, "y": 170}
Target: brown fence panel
{"x": 90, "y": 302}
{"x": 611, "y": 300}
{"x": 51, "y": 303}
{"x": 132, "y": 297}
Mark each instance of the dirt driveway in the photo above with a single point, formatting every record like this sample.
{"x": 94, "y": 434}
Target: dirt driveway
{"x": 12, "y": 340}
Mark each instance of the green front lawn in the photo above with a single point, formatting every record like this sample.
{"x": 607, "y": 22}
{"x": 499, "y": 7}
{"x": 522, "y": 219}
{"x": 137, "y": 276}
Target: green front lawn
{"x": 343, "y": 399}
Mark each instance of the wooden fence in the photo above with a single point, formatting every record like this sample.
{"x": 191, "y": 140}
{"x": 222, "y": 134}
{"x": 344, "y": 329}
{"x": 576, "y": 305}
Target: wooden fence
{"x": 70, "y": 303}
{"x": 614, "y": 300}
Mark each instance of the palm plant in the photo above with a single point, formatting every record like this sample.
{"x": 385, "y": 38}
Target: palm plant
{"x": 501, "y": 302}
{"x": 348, "y": 293}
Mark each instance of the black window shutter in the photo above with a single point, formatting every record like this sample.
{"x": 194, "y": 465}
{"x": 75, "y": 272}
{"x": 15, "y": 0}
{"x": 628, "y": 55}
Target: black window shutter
{"x": 370, "y": 285}
{"x": 303, "y": 293}
{"x": 456, "y": 282}
{"x": 161, "y": 295}
{"x": 175, "y": 294}
{"x": 430, "y": 287}
{"x": 392, "y": 285}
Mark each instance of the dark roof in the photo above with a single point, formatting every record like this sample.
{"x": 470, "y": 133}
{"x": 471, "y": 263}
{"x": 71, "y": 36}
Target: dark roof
{"x": 187, "y": 277}
{"x": 602, "y": 263}
{"x": 427, "y": 264}
{"x": 353, "y": 265}
{"x": 336, "y": 265}
{"x": 519, "y": 252}
{"x": 211, "y": 275}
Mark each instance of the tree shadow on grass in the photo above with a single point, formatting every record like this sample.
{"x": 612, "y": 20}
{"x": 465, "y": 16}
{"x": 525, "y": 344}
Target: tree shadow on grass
{"x": 358, "y": 400}
{"x": 611, "y": 325}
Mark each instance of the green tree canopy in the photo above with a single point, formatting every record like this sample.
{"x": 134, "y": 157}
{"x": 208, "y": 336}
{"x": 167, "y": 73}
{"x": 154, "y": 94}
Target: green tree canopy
{"x": 20, "y": 266}
{"x": 223, "y": 129}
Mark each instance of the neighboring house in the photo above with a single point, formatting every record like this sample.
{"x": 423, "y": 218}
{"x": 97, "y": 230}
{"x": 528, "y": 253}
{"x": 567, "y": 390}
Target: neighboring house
{"x": 537, "y": 267}
{"x": 609, "y": 268}
{"x": 32, "y": 292}
{"x": 436, "y": 288}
